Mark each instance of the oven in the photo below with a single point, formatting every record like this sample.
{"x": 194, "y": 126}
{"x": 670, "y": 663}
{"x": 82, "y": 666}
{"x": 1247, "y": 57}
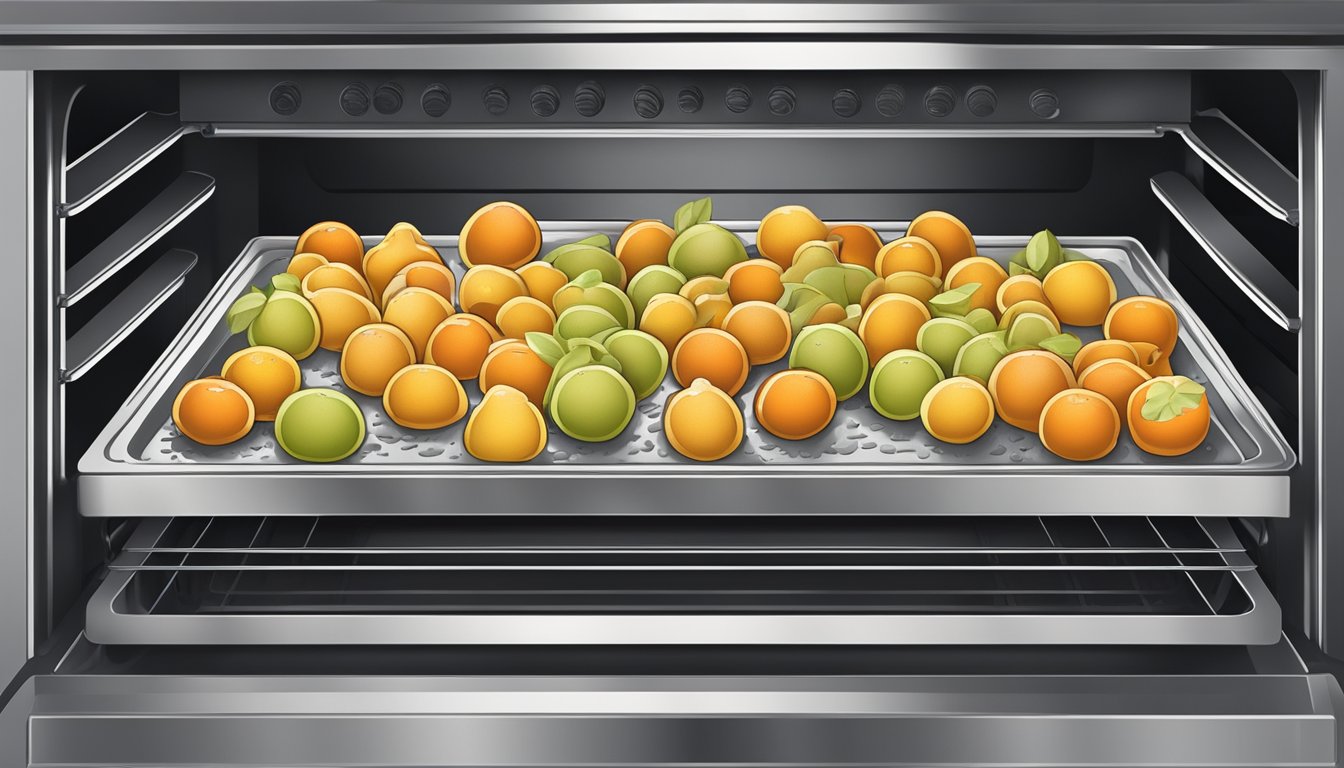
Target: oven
{"x": 867, "y": 596}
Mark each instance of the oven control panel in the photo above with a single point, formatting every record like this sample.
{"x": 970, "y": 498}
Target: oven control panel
{"x": 917, "y": 97}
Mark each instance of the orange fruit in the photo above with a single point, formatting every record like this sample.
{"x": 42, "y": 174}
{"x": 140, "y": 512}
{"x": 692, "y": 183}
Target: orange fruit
{"x": 402, "y": 247}
{"x": 1104, "y": 349}
{"x": 485, "y": 288}
{"x": 702, "y": 422}
{"x": 422, "y": 274}
{"x": 908, "y": 254}
{"x": 828, "y": 313}
{"x": 505, "y": 426}
{"x": 668, "y": 318}
{"x": 763, "y": 329}
{"x": 334, "y": 241}
{"x": 957, "y": 410}
{"x": 424, "y": 397}
{"x": 754, "y": 280}
{"x": 372, "y": 355}
{"x": 460, "y": 345}
{"x": 982, "y": 270}
{"x": 213, "y": 411}
{"x": 1143, "y": 318}
{"x": 795, "y": 405}
{"x": 1023, "y": 382}
{"x": 339, "y": 313}
{"x": 417, "y": 312}
{"x": 890, "y": 323}
{"x": 268, "y": 375}
{"x": 1079, "y": 425}
{"x": 910, "y": 283}
{"x": 513, "y": 363}
{"x": 523, "y": 314}
{"x": 947, "y": 233}
{"x": 503, "y": 234}
{"x": 1019, "y": 288}
{"x": 784, "y": 229}
{"x": 542, "y": 281}
{"x": 712, "y": 354}
{"x": 643, "y": 244}
{"x": 1185, "y": 425}
{"x": 1114, "y": 379}
{"x": 859, "y": 244}
{"x": 1151, "y": 359}
{"x": 335, "y": 276}
{"x": 1080, "y": 292}
{"x": 300, "y": 264}
{"x": 406, "y": 226}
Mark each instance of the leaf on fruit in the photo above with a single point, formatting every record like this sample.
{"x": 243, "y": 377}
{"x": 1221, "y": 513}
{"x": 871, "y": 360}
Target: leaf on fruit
{"x": 546, "y": 346}
{"x": 244, "y": 310}
{"x": 285, "y": 282}
{"x": 1166, "y": 400}
{"x": 1066, "y": 345}
{"x": 954, "y": 303}
{"x": 692, "y": 213}
{"x": 599, "y": 241}
{"x": 1043, "y": 251}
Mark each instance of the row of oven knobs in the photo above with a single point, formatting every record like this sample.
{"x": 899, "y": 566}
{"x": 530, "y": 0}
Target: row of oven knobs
{"x": 589, "y": 99}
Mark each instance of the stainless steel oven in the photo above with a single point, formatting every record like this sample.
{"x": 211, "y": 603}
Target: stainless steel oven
{"x": 866, "y": 598}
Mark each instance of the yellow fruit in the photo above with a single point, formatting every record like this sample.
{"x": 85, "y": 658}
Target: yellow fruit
{"x": 268, "y": 375}
{"x": 754, "y": 280}
{"x": 542, "y": 281}
{"x": 1019, "y": 288}
{"x": 784, "y": 229}
{"x": 711, "y": 309}
{"x": 1104, "y": 349}
{"x": 702, "y": 422}
{"x": 643, "y": 244}
{"x": 406, "y": 226}
{"x": 1115, "y": 380}
{"x": 712, "y": 354}
{"x": 700, "y": 286}
{"x": 957, "y": 410}
{"x": 914, "y": 284}
{"x": 372, "y": 355}
{"x": 1028, "y": 307}
{"x": 501, "y": 234}
{"x": 908, "y": 254}
{"x": 335, "y": 276}
{"x": 1079, "y": 425}
{"x": 424, "y": 397}
{"x": 506, "y": 426}
{"x": 890, "y": 323}
{"x": 485, "y": 288}
{"x": 859, "y": 244}
{"x": 949, "y": 236}
{"x": 213, "y": 411}
{"x": 460, "y": 345}
{"x": 762, "y": 328}
{"x": 668, "y": 318}
{"x": 1143, "y": 318}
{"x": 303, "y": 263}
{"x": 334, "y": 241}
{"x": 523, "y": 314}
{"x": 514, "y": 364}
{"x": 982, "y": 270}
{"x": 1080, "y": 292}
{"x": 422, "y": 274}
{"x": 400, "y": 249}
{"x": 417, "y": 312}
{"x": 1023, "y": 382}
{"x": 1184, "y": 428}
{"x": 341, "y": 312}
{"x": 795, "y": 404}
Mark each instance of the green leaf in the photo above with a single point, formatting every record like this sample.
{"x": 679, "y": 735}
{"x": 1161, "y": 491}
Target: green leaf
{"x": 244, "y": 310}
{"x": 1015, "y": 269}
{"x": 546, "y": 346}
{"x": 589, "y": 279}
{"x": 1066, "y": 345}
{"x": 692, "y": 213}
{"x": 981, "y": 319}
{"x": 1043, "y": 251}
{"x": 256, "y": 290}
{"x": 953, "y": 303}
{"x": 599, "y": 240}
{"x": 285, "y": 282}
{"x": 1156, "y": 403}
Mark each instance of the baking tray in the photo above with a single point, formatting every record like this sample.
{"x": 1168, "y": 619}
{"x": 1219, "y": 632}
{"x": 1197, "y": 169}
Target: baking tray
{"x": 862, "y": 464}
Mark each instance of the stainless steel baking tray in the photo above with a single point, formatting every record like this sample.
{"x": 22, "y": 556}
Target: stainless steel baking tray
{"x": 863, "y": 464}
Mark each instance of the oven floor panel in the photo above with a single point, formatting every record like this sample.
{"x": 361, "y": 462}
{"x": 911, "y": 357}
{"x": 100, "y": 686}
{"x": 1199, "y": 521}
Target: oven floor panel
{"x": 134, "y": 467}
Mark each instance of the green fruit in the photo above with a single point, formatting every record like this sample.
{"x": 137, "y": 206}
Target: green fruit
{"x": 1029, "y": 330}
{"x": 982, "y": 320}
{"x": 319, "y": 425}
{"x": 643, "y": 360}
{"x": 287, "y": 322}
{"x": 900, "y": 381}
{"x": 705, "y": 249}
{"x": 588, "y": 288}
{"x": 592, "y": 403}
{"x": 942, "y": 338}
{"x": 651, "y": 281}
{"x": 584, "y": 321}
{"x": 844, "y": 284}
{"x": 576, "y": 258}
{"x": 835, "y": 352}
{"x": 978, "y": 357}
{"x": 955, "y": 302}
{"x": 808, "y": 260}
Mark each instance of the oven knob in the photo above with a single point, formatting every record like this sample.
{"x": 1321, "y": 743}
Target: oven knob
{"x": 690, "y": 99}
{"x": 355, "y": 99}
{"x": 846, "y": 103}
{"x": 981, "y": 101}
{"x": 890, "y": 100}
{"x": 1045, "y": 103}
{"x": 387, "y": 99}
{"x": 496, "y": 100}
{"x": 545, "y": 101}
{"x": 648, "y": 102}
{"x": 285, "y": 99}
{"x": 940, "y": 101}
{"x": 782, "y": 100}
{"x": 738, "y": 99}
{"x": 436, "y": 100}
{"x": 589, "y": 98}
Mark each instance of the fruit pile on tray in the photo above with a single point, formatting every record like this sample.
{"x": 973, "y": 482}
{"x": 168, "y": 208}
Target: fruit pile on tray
{"x": 922, "y": 326}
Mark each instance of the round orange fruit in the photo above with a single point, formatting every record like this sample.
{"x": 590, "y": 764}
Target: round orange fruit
{"x": 334, "y": 241}
{"x": 982, "y": 270}
{"x": 522, "y": 315}
{"x": 1143, "y": 318}
{"x": 712, "y": 354}
{"x": 1104, "y": 349}
{"x": 949, "y": 236}
{"x": 213, "y": 411}
{"x": 1023, "y": 382}
{"x": 402, "y": 247}
{"x": 957, "y": 410}
{"x": 795, "y": 404}
{"x": 1169, "y": 416}
{"x": 460, "y": 345}
{"x": 643, "y": 244}
{"x": 1019, "y": 288}
{"x": 335, "y": 276}
{"x": 372, "y": 355}
{"x": 502, "y": 234}
{"x": 542, "y": 281}
{"x": 417, "y": 312}
{"x": 514, "y": 364}
{"x": 702, "y": 422}
{"x": 432, "y": 275}
{"x": 890, "y": 323}
{"x": 1115, "y": 380}
{"x": 268, "y": 375}
{"x": 908, "y": 254}
{"x": 859, "y": 244}
{"x": 485, "y": 288}
{"x": 1079, "y": 425}
{"x": 784, "y": 229}
{"x": 763, "y": 329}
{"x": 1080, "y": 292}
{"x": 340, "y": 312}
{"x": 754, "y": 280}
{"x": 424, "y": 397}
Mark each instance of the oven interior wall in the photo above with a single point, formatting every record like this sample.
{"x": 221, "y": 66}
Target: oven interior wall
{"x": 998, "y": 185}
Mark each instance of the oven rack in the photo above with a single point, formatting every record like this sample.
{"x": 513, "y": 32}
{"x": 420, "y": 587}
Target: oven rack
{"x": 907, "y": 580}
